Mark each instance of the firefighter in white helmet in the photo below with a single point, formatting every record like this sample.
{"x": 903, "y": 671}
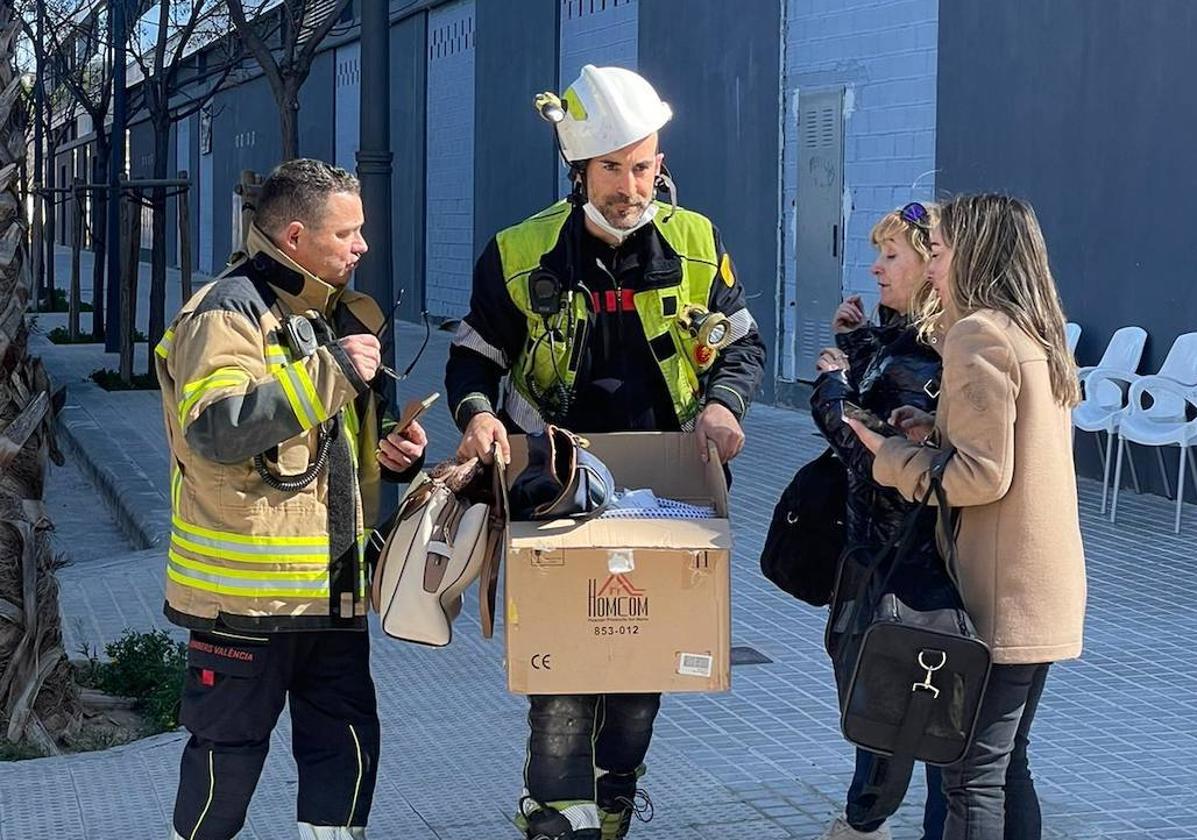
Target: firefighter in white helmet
{"x": 606, "y": 312}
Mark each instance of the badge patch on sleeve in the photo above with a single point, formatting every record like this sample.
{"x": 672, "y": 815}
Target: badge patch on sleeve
{"x": 725, "y": 271}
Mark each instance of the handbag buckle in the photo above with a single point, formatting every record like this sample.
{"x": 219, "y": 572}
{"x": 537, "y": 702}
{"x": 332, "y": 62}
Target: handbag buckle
{"x": 925, "y": 685}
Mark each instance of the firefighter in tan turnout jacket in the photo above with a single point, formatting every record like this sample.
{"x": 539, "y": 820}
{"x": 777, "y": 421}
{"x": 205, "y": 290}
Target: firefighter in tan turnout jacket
{"x": 274, "y": 429}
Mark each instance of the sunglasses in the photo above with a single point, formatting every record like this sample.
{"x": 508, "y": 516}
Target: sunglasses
{"x": 399, "y": 377}
{"x": 916, "y": 214}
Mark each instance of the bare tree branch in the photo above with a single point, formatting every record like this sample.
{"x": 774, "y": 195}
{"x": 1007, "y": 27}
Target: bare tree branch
{"x": 257, "y": 47}
{"x": 325, "y": 26}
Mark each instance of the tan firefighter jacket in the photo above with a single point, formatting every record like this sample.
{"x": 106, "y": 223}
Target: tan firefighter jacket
{"x": 242, "y": 554}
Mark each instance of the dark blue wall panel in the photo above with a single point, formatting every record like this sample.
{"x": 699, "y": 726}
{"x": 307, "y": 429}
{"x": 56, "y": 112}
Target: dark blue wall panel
{"x": 408, "y": 66}
{"x": 245, "y": 135}
{"x": 515, "y": 158}
{"x": 719, "y": 69}
{"x": 316, "y": 110}
{"x": 1081, "y": 108}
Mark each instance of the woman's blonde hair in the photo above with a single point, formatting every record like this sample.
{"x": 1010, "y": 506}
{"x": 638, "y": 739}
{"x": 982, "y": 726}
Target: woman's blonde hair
{"x": 924, "y": 306}
{"x": 1000, "y": 262}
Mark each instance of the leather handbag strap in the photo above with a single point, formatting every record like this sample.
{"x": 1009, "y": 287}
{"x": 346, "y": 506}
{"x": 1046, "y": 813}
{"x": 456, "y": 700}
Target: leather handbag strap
{"x": 488, "y": 579}
{"x": 892, "y": 789}
{"x": 945, "y": 520}
{"x": 896, "y": 548}
{"x": 904, "y": 542}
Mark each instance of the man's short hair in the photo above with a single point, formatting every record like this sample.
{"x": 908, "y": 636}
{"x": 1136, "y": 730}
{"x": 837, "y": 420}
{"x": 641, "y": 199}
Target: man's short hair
{"x": 298, "y": 190}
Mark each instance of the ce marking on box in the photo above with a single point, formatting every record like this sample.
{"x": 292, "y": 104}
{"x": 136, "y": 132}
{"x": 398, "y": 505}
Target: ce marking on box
{"x": 542, "y": 662}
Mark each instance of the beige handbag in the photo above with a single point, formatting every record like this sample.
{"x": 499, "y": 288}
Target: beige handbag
{"x": 443, "y": 537}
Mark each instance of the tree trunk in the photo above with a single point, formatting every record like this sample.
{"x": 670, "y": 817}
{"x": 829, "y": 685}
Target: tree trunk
{"x": 38, "y": 251}
{"x": 288, "y": 112}
{"x": 76, "y": 206}
{"x": 131, "y": 233}
{"x": 51, "y": 219}
{"x": 39, "y": 701}
{"x": 184, "y": 209}
{"x": 99, "y": 234}
{"x": 158, "y": 247}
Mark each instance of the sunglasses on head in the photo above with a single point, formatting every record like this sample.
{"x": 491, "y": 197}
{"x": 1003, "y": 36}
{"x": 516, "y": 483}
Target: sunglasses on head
{"x": 916, "y": 214}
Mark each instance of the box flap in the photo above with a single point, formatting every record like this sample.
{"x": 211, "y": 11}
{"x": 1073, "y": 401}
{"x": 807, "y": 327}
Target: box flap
{"x": 668, "y": 463}
{"x": 696, "y": 534}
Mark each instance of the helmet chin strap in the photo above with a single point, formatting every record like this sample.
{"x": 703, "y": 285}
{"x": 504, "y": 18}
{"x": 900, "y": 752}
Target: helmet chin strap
{"x": 618, "y": 234}
{"x": 664, "y": 183}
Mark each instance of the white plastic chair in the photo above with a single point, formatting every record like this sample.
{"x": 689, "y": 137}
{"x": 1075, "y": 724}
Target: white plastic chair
{"x": 1157, "y": 415}
{"x": 1105, "y": 390}
{"x": 1072, "y": 332}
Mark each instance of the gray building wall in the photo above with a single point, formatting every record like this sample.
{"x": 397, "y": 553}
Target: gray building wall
{"x": 515, "y": 169}
{"x": 721, "y": 79}
{"x": 449, "y": 175}
{"x": 883, "y": 56}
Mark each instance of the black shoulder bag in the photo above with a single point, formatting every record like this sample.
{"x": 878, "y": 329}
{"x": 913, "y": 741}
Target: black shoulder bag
{"x": 806, "y": 534}
{"x": 915, "y": 676}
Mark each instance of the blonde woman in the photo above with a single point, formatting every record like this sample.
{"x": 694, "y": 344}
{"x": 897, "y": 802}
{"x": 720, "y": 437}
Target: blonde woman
{"x": 880, "y": 367}
{"x": 1009, "y": 384}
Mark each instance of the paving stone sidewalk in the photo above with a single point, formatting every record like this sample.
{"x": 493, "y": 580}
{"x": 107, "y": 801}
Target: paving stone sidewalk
{"x": 1115, "y": 733}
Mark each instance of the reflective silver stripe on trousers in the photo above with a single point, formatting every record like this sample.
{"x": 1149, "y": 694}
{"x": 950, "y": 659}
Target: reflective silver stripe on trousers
{"x": 467, "y": 336}
{"x": 307, "y": 831}
{"x": 582, "y": 817}
{"x": 521, "y": 412}
{"x": 740, "y": 323}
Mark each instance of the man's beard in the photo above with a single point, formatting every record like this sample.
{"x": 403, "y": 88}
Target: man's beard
{"x": 623, "y": 213}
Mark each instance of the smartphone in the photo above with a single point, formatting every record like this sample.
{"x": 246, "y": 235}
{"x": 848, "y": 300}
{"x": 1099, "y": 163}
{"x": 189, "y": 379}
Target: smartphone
{"x": 868, "y": 419}
{"x": 414, "y": 409}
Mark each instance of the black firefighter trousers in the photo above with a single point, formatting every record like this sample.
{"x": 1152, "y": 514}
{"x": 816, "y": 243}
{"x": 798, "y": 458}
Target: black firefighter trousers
{"x": 574, "y": 738}
{"x": 235, "y": 688}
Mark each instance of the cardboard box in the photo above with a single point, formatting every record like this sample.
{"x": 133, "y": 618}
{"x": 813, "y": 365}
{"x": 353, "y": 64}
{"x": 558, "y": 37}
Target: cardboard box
{"x": 624, "y": 605}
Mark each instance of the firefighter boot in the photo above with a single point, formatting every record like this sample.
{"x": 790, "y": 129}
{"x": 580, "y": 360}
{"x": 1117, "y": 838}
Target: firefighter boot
{"x": 619, "y": 801}
{"x": 548, "y": 823}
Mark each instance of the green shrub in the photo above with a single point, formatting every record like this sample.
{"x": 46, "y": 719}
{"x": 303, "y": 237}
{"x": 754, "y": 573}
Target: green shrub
{"x": 61, "y": 335}
{"x": 61, "y": 304}
{"x": 110, "y": 380}
{"x": 149, "y": 667}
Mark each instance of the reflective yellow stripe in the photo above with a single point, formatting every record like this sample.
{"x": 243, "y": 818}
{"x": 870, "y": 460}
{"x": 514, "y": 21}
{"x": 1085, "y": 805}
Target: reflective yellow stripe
{"x": 262, "y": 576}
{"x": 293, "y": 383}
{"x": 247, "y": 557}
{"x": 164, "y": 346}
{"x": 247, "y": 539}
{"x": 352, "y": 431}
{"x": 176, "y": 485}
{"x": 277, "y": 356}
{"x": 220, "y": 378}
{"x": 244, "y": 592}
{"x": 211, "y": 793}
{"x": 309, "y": 389}
{"x": 357, "y": 786}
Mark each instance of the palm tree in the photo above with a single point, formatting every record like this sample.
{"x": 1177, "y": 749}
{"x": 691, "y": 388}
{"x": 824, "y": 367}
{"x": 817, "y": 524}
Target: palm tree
{"x": 39, "y": 702}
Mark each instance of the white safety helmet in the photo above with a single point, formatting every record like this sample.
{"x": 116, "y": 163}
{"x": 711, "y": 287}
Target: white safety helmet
{"x": 606, "y": 109}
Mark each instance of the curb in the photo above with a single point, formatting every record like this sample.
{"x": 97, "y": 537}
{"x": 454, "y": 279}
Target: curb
{"x": 134, "y": 501}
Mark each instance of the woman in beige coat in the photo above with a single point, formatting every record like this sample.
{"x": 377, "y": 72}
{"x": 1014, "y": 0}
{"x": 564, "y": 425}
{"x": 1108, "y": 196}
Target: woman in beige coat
{"x": 1009, "y": 384}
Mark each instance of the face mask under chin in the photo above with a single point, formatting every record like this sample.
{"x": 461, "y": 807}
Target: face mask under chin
{"x": 619, "y": 234}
